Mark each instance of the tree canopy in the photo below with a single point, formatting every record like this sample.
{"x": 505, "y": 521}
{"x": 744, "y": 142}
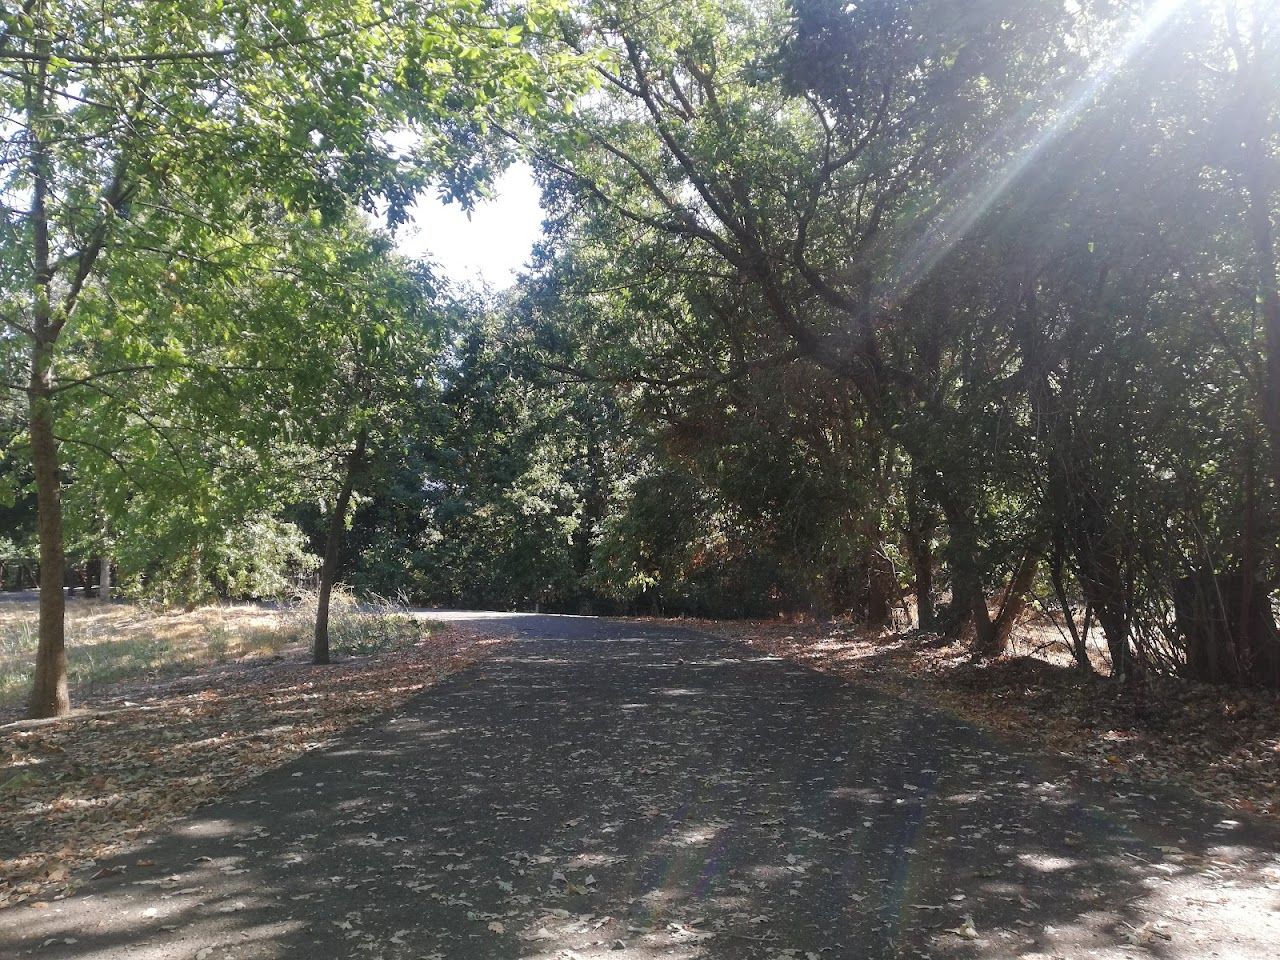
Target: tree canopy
{"x": 909, "y": 311}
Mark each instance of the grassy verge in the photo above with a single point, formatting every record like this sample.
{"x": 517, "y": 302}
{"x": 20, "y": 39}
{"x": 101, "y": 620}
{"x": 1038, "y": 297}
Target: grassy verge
{"x": 109, "y": 643}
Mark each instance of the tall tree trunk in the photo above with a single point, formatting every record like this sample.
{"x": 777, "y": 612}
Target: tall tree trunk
{"x": 1015, "y": 599}
{"x": 1079, "y": 638}
{"x": 1257, "y": 169}
{"x": 922, "y": 574}
{"x": 971, "y": 597}
{"x": 49, "y": 696}
{"x": 593, "y": 510}
{"x": 1269, "y": 297}
{"x": 1102, "y": 581}
{"x": 333, "y": 547}
{"x": 877, "y": 588}
{"x": 104, "y": 577}
{"x": 968, "y": 600}
{"x": 919, "y": 537}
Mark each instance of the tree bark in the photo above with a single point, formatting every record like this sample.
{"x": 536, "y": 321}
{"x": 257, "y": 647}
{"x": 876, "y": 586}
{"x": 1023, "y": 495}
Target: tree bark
{"x": 1208, "y": 606}
{"x": 968, "y": 600}
{"x": 1102, "y": 581}
{"x": 1079, "y": 638}
{"x": 333, "y": 548}
{"x": 594, "y": 500}
{"x": 919, "y": 537}
{"x": 878, "y": 589}
{"x": 1015, "y": 600}
{"x": 49, "y": 695}
{"x": 922, "y": 574}
{"x": 974, "y": 602}
{"x": 104, "y": 578}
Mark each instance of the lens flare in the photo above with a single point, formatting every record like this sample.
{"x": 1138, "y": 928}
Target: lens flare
{"x": 948, "y": 227}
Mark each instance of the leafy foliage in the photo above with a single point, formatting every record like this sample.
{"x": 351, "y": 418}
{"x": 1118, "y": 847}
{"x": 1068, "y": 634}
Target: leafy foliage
{"x": 842, "y": 308}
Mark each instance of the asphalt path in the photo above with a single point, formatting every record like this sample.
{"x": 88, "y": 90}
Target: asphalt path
{"x": 606, "y": 788}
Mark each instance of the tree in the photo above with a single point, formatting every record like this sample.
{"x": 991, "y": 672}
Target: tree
{"x": 1013, "y": 256}
{"x": 362, "y": 378}
{"x": 132, "y": 123}
{"x": 790, "y": 175}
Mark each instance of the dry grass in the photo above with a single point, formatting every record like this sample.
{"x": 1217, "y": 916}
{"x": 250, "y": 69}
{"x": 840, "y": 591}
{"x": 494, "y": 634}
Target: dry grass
{"x": 113, "y": 642}
{"x": 108, "y": 644}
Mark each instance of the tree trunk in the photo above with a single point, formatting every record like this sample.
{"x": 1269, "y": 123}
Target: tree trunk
{"x": 333, "y": 548}
{"x": 1014, "y": 600}
{"x": 968, "y": 601}
{"x": 1101, "y": 576}
{"x": 1258, "y": 173}
{"x": 1219, "y": 648}
{"x": 1079, "y": 638}
{"x": 1115, "y": 627}
{"x": 922, "y": 573}
{"x": 919, "y": 537}
{"x": 593, "y": 509}
{"x": 104, "y": 578}
{"x": 1269, "y": 295}
{"x": 49, "y": 696}
{"x": 985, "y": 642}
{"x": 879, "y": 588}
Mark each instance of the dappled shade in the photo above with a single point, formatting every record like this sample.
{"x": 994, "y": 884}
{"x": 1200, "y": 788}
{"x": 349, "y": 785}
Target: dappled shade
{"x": 630, "y": 791}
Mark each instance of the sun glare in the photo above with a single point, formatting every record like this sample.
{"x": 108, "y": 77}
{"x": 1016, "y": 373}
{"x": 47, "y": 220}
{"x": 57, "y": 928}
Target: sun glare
{"x": 954, "y": 221}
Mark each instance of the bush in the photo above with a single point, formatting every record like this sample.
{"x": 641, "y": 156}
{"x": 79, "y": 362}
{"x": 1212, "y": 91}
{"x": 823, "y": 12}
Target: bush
{"x": 260, "y": 558}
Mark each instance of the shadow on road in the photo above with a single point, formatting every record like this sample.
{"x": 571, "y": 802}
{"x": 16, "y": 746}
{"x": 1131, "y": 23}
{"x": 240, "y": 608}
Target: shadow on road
{"x": 609, "y": 789}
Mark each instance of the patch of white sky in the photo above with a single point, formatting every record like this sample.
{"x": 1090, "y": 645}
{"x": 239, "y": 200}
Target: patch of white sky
{"x": 487, "y": 247}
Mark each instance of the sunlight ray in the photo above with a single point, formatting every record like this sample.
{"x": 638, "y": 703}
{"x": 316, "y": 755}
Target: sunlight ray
{"x": 956, "y": 219}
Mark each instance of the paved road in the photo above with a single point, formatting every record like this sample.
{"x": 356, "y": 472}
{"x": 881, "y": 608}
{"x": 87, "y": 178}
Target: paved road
{"x": 610, "y": 789}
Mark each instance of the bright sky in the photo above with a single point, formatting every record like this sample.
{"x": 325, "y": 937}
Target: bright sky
{"x": 492, "y": 245}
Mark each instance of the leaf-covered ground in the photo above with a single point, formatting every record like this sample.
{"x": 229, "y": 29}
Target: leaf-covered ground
{"x": 1221, "y": 744}
{"x": 74, "y": 790}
